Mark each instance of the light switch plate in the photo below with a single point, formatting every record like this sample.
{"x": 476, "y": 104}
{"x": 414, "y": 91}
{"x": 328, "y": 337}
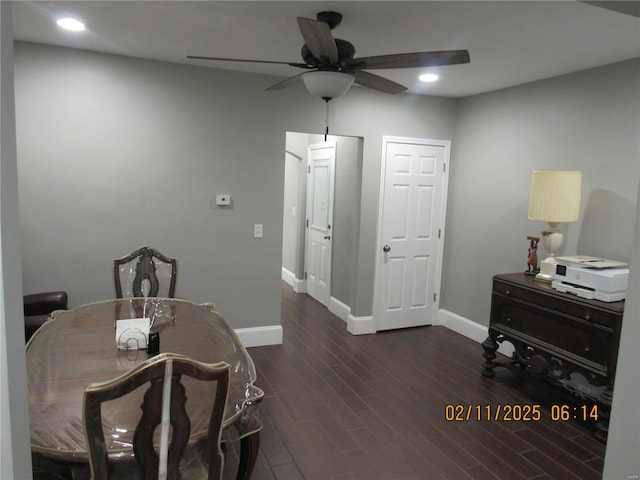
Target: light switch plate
{"x": 257, "y": 230}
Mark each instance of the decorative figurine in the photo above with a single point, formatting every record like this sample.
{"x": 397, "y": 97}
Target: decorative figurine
{"x": 532, "y": 257}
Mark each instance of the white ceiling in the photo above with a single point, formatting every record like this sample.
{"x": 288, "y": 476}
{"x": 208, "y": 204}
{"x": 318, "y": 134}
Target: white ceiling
{"x": 510, "y": 42}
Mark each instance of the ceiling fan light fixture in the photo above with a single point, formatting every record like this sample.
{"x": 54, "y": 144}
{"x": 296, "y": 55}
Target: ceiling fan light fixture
{"x": 327, "y": 85}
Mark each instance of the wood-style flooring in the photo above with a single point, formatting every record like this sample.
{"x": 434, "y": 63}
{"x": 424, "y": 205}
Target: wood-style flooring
{"x": 372, "y": 407}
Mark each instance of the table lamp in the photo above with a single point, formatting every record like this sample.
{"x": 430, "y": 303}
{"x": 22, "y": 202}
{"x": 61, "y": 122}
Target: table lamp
{"x": 554, "y": 198}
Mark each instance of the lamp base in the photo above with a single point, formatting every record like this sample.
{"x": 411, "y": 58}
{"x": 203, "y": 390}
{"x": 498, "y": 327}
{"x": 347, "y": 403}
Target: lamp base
{"x": 552, "y": 240}
{"x": 547, "y": 267}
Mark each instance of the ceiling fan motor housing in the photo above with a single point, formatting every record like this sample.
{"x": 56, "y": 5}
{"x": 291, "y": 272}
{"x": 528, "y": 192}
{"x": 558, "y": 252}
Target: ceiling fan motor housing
{"x": 346, "y": 51}
{"x": 333, "y": 19}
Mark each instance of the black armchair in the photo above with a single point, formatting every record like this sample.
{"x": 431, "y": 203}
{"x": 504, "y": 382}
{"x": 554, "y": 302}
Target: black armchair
{"x": 38, "y": 308}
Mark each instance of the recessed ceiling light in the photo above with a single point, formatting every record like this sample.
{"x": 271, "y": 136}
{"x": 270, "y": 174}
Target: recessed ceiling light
{"x": 71, "y": 24}
{"x": 428, "y": 77}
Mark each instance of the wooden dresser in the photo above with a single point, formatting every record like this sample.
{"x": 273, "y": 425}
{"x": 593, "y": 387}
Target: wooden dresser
{"x": 556, "y": 335}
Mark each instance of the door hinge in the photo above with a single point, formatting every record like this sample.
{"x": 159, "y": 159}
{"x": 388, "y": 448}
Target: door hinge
{"x": 444, "y": 168}
{"x": 305, "y": 275}
{"x": 439, "y": 232}
{"x": 434, "y": 297}
{"x": 308, "y": 168}
{"x": 307, "y": 223}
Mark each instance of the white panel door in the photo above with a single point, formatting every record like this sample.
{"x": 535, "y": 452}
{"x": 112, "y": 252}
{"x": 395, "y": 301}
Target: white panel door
{"x": 320, "y": 179}
{"x": 411, "y": 219}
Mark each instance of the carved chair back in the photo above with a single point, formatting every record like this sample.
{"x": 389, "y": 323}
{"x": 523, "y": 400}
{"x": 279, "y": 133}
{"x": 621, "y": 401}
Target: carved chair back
{"x": 163, "y": 408}
{"x": 145, "y": 272}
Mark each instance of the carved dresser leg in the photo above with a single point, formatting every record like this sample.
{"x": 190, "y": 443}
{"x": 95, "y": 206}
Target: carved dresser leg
{"x": 490, "y": 347}
{"x": 604, "y": 412}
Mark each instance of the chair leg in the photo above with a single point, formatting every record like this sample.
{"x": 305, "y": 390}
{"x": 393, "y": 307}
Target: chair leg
{"x": 81, "y": 472}
{"x": 46, "y": 469}
{"x": 249, "y": 447}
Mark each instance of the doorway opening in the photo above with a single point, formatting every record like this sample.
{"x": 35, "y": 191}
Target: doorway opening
{"x": 344, "y": 214}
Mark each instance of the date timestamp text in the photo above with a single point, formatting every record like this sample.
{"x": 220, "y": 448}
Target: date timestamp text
{"x": 518, "y": 413}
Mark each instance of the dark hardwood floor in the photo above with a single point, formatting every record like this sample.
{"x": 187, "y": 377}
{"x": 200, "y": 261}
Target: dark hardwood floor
{"x": 372, "y": 407}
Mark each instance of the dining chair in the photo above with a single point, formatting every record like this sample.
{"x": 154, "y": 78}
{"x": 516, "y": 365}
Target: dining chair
{"x": 163, "y": 408}
{"x": 145, "y": 272}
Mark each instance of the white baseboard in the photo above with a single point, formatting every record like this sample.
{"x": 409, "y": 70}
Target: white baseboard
{"x": 470, "y": 329}
{"x": 299, "y": 286}
{"x": 260, "y": 336}
{"x": 272, "y": 335}
{"x": 339, "y": 309}
{"x": 360, "y": 325}
{"x": 355, "y": 325}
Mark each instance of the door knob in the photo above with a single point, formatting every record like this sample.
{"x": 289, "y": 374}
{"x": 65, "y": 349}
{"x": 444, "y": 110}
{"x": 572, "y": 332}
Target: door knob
{"x": 386, "y": 248}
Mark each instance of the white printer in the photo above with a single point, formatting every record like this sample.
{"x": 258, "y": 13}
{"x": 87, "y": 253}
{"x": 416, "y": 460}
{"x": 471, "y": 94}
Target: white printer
{"x": 591, "y": 277}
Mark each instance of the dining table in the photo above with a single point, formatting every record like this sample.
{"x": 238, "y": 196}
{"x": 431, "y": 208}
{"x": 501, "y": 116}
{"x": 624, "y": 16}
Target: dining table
{"x": 78, "y": 347}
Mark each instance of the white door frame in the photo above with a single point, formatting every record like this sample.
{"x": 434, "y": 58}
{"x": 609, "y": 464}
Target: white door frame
{"x": 379, "y": 241}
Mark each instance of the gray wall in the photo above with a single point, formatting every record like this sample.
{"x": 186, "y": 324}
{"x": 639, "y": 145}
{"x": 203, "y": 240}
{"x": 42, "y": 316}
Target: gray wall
{"x": 346, "y": 215}
{"x": 586, "y": 121}
{"x": 294, "y": 197}
{"x": 15, "y": 449}
{"x": 623, "y": 443}
{"x": 115, "y": 152}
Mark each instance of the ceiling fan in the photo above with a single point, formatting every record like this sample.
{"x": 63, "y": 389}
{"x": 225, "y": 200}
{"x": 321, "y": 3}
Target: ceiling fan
{"x": 331, "y": 66}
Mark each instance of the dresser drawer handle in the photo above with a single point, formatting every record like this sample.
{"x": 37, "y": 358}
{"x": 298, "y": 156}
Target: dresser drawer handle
{"x": 508, "y": 320}
{"x": 587, "y": 349}
{"x": 587, "y": 316}
{"x": 508, "y": 292}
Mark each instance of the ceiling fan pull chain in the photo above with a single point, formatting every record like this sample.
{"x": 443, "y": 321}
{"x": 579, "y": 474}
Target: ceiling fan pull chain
{"x": 326, "y": 119}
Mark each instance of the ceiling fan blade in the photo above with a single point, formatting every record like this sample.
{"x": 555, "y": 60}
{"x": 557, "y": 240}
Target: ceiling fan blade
{"x": 292, "y": 64}
{"x": 412, "y": 60}
{"x": 317, "y": 36}
{"x": 377, "y": 82}
{"x": 285, "y": 83}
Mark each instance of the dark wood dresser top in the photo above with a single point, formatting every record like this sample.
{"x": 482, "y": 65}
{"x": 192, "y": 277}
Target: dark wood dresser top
{"x": 520, "y": 279}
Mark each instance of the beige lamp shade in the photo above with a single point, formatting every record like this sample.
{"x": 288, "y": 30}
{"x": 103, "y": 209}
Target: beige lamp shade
{"x": 555, "y": 195}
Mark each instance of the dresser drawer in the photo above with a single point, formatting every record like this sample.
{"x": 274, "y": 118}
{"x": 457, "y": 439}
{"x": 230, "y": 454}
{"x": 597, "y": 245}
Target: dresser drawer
{"x": 562, "y": 334}
{"x": 562, "y": 305}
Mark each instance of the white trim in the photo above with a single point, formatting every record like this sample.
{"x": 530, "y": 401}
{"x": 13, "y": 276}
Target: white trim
{"x": 360, "y": 325}
{"x": 339, "y": 309}
{"x": 462, "y": 325}
{"x": 260, "y": 336}
{"x": 288, "y": 277}
{"x": 355, "y": 325}
{"x": 470, "y": 329}
{"x": 299, "y": 286}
